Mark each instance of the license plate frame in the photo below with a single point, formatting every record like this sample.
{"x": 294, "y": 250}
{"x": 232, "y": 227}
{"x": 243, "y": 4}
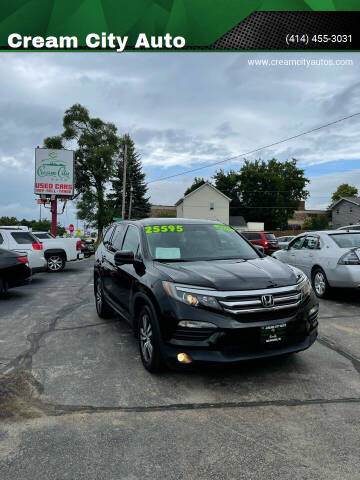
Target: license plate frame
{"x": 271, "y": 334}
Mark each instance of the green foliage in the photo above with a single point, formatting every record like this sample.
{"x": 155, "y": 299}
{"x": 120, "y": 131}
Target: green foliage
{"x": 35, "y": 225}
{"x": 262, "y": 191}
{"x": 196, "y": 184}
{"x": 97, "y": 146}
{"x": 344, "y": 190}
{"x": 271, "y": 191}
{"x": 321, "y": 222}
{"x": 135, "y": 178}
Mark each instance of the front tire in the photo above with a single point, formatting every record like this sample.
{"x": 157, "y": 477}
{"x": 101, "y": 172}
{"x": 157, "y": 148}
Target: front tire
{"x": 102, "y": 308}
{"x": 55, "y": 263}
{"x": 320, "y": 284}
{"x": 149, "y": 344}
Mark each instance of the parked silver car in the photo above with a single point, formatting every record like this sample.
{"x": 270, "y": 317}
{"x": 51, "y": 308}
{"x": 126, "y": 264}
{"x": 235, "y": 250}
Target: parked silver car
{"x": 329, "y": 258}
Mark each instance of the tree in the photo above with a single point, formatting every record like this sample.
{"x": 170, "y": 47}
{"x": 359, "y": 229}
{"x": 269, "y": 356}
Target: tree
{"x": 270, "y": 192}
{"x": 135, "y": 179}
{"x": 196, "y": 184}
{"x": 35, "y": 225}
{"x": 228, "y": 184}
{"x": 344, "y": 190}
{"x": 320, "y": 222}
{"x": 97, "y": 145}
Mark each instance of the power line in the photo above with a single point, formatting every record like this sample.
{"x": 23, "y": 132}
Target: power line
{"x": 255, "y": 150}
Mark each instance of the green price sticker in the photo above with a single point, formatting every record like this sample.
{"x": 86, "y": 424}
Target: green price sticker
{"x": 164, "y": 228}
{"x": 224, "y": 227}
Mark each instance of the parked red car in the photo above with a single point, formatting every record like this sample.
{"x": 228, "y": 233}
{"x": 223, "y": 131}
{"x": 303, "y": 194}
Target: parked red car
{"x": 265, "y": 239}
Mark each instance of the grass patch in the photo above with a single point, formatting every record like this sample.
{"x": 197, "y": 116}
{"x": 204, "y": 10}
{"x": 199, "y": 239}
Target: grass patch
{"x": 18, "y": 393}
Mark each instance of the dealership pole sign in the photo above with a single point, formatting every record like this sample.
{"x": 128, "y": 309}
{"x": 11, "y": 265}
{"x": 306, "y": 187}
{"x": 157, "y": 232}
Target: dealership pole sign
{"x": 54, "y": 172}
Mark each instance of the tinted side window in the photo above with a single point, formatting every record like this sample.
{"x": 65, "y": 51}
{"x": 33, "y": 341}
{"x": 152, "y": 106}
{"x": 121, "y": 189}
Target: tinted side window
{"x": 1, "y": 239}
{"x": 311, "y": 243}
{"x": 296, "y": 244}
{"x": 132, "y": 240}
{"x": 108, "y": 236}
{"x": 118, "y": 237}
{"x": 23, "y": 238}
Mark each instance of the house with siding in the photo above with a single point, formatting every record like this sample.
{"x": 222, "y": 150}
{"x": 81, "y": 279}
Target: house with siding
{"x": 205, "y": 202}
{"x": 346, "y": 211}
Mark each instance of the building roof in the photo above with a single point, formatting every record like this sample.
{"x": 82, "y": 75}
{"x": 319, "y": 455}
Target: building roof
{"x": 354, "y": 200}
{"x": 199, "y": 188}
{"x": 237, "y": 221}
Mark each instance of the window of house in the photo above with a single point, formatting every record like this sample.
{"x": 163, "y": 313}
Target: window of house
{"x": 337, "y": 211}
{"x": 212, "y": 205}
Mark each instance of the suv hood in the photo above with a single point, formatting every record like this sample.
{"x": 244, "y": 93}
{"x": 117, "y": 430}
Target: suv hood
{"x": 230, "y": 274}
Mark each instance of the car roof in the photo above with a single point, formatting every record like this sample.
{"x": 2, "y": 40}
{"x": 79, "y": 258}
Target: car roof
{"x": 328, "y": 232}
{"x": 167, "y": 221}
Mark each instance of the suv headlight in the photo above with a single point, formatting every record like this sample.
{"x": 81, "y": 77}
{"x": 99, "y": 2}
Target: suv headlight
{"x": 304, "y": 284}
{"x": 193, "y": 298}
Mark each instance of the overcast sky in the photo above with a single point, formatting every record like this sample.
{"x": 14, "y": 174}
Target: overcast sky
{"x": 184, "y": 110}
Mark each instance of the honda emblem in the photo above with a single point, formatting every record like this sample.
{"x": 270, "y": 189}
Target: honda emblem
{"x": 267, "y": 300}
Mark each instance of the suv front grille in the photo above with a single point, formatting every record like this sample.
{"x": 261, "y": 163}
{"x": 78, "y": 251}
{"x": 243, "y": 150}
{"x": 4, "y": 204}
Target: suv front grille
{"x": 250, "y": 302}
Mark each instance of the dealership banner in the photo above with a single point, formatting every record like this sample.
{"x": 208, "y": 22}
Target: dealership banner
{"x": 54, "y": 172}
{"x": 173, "y": 25}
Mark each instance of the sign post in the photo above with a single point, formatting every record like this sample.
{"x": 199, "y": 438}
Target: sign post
{"x": 54, "y": 177}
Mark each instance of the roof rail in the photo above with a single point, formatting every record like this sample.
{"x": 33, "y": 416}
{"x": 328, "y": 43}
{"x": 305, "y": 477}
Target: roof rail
{"x": 21, "y": 228}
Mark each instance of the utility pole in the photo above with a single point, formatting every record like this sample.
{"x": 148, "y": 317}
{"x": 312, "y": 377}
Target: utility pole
{"x": 54, "y": 216}
{"x": 130, "y": 203}
{"x": 124, "y": 185}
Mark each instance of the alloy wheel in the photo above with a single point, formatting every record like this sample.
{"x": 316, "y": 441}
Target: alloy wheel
{"x": 98, "y": 296}
{"x": 146, "y": 338}
{"x": 55, "y": 263}
{"x": 319, "y": 283}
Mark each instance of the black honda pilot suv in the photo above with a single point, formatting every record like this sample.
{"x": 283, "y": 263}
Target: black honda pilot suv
{"x": 196, "y": 292}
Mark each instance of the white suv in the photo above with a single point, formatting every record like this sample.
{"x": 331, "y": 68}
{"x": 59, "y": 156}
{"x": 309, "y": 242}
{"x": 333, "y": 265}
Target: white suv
{"x": 21, "y": 240}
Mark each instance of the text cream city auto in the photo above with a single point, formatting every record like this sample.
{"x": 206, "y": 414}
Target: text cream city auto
{"x": 196, "y": 292}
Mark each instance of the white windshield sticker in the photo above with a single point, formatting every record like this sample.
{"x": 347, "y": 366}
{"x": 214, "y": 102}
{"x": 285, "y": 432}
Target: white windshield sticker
{"x": 165, "y": 253}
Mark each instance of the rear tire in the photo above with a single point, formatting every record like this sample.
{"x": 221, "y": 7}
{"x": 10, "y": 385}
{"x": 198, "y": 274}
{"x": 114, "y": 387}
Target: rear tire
{"x": 3, "y": 288}
{"x": 320, "y": 284}
{"x": 149, "y": 342}
{"x": 102, "y": 308}
{"x": 55, "y": 262}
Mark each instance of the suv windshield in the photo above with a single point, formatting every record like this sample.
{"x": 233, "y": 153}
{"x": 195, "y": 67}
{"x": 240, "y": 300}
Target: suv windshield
{"x": 346, "y": 240}
{"x": 196, "y": 242}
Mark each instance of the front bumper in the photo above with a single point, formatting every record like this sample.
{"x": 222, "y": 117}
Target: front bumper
{"x": 237, "y": 337}
{"x": 218, "y": 357}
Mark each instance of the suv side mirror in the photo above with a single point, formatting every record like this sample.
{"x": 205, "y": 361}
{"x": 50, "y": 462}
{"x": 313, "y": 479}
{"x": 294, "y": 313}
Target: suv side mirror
{"x": 123, "y": 257}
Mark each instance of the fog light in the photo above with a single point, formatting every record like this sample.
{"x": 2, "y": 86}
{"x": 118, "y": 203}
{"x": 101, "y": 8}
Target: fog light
{"x": 184, "y": 358}
{"x": 313, "y": 310}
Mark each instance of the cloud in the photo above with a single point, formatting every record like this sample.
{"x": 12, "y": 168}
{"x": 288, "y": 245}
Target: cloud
{"x": 184, "y": 110}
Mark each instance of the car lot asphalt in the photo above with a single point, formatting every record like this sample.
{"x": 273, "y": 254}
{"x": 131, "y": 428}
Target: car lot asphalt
{"x": 96, "y": 413}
